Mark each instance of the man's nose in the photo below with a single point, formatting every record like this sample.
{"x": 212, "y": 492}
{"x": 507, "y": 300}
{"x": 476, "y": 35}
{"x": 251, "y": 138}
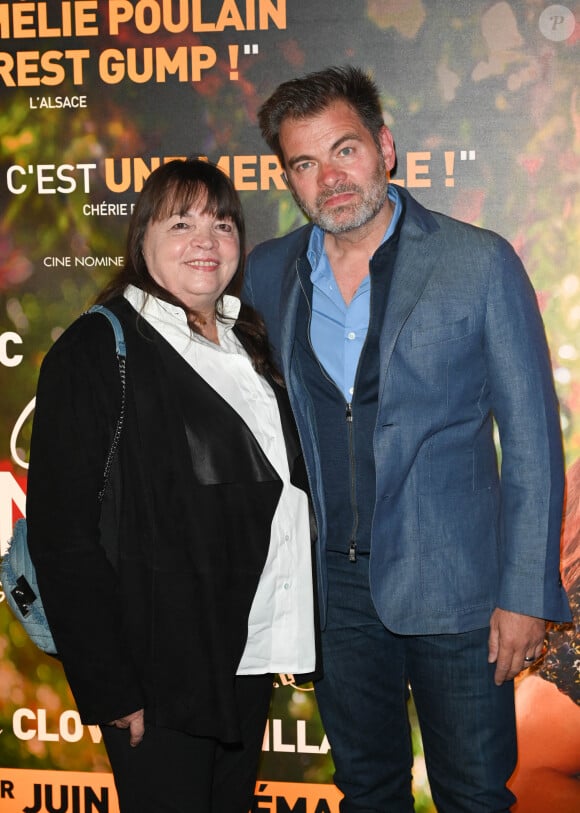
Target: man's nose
{"x": 329, "y": 174}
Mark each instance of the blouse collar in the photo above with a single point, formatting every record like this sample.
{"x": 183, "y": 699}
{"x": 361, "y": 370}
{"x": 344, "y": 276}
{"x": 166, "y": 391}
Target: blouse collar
{"x": 151, "y": 305}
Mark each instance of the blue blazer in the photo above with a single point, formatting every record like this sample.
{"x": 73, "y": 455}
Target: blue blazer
{"x": 462, "y": 346}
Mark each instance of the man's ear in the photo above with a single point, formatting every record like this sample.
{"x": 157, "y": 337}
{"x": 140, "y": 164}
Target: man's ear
{"x": 387, "y": 147}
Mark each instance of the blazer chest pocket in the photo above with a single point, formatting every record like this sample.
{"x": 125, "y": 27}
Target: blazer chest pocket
{"x": 441, "y": 333}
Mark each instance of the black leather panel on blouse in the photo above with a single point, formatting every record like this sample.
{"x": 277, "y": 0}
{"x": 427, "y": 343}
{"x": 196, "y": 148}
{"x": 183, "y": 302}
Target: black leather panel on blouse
{"x": 223, "y": 448}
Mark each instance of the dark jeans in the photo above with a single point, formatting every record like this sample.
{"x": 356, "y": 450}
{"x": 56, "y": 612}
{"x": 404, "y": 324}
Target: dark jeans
{"x": 467, "y": 723}
{"x": 172, "y": 772}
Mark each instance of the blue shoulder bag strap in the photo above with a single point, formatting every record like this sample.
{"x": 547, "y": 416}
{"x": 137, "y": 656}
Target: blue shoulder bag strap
{"x": 121, "y": 351}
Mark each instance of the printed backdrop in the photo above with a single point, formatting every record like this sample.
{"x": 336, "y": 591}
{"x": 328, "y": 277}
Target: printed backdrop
{"x": 483, "y": 100}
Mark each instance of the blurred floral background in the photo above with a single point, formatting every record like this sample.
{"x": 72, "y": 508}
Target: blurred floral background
{"x": 484, "y": 91}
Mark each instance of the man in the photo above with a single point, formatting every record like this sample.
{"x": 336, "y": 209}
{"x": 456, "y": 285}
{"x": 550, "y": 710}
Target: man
{"x": 402, "y": 333}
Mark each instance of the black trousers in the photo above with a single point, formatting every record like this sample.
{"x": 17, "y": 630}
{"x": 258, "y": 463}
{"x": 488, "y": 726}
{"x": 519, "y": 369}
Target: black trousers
{"x": 172, "y": 772}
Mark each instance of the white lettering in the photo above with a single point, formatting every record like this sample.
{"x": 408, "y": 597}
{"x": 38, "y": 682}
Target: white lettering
{"x": 23, "y": 417}
{"x": 49, "y": 179}
{"x": 28, "y": 724}
{"x": 5, "y": 339}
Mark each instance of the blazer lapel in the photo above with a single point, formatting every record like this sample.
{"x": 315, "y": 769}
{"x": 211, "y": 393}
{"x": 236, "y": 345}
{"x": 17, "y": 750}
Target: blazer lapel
{"x": 290, "y": 291}
{"x": 417, "y": 255}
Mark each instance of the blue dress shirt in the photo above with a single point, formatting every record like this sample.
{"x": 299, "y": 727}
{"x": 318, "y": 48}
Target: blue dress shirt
{"x": 337, "y": 330}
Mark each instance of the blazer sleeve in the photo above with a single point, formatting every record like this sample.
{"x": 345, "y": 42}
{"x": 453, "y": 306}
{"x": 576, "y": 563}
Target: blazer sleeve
{"x": 525, "y": 408}
{"x": 77, "y": 406}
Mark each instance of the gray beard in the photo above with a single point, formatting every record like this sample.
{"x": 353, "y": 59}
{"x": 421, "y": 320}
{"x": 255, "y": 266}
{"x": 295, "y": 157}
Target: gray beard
{"x": 334, "y": 222}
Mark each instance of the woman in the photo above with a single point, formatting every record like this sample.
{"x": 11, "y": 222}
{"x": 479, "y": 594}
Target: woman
{"x": 547, "y": 776}
{"x": 170, "y": 646}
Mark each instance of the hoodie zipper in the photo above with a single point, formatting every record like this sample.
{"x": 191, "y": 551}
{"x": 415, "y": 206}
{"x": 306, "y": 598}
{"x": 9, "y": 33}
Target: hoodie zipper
{"x": 352, "y": 471}
{"x": 352, "y": 546}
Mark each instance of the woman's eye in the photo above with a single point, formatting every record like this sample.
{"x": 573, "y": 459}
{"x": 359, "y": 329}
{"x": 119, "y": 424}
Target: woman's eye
{"x": 227, "y": 227}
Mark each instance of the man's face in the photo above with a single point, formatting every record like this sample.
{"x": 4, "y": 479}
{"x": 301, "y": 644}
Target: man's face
{"x": 336, "y": 172}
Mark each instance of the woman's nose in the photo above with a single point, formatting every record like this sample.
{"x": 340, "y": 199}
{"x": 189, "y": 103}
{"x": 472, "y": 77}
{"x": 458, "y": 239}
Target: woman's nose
{"x": 204, "y": 238}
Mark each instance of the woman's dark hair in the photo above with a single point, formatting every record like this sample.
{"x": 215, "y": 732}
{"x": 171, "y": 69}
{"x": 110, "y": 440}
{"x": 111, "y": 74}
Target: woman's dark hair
{"x": 309, "y": 95}
{"x": 175, "y": 187}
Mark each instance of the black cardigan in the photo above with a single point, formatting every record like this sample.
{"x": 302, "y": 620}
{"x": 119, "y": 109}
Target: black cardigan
{"x": 165, "y": 627}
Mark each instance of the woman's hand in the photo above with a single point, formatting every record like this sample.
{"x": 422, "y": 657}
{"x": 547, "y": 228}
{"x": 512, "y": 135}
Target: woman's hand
{"x": 135, "y": 722}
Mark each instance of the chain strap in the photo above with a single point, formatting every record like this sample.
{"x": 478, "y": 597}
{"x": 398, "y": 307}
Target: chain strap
{"x": 121, "y": 352}
{"x": 118, "y": 429}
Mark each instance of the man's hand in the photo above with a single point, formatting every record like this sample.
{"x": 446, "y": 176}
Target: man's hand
{"x": 135, "y": 723}
{"x": 515, "y": 641}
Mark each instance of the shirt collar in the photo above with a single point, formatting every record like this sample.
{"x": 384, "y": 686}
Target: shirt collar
{"x": 152, "y": 306}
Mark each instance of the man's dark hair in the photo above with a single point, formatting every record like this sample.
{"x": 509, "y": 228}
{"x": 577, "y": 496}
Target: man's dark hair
{"x": 309, "y": 95}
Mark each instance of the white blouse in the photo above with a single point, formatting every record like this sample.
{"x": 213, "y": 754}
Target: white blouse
{"x": 281, "y": 622}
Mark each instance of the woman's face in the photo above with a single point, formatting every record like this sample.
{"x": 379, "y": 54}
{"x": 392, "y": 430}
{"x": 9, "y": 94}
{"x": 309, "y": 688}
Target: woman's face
{"x": 193, "y": 255}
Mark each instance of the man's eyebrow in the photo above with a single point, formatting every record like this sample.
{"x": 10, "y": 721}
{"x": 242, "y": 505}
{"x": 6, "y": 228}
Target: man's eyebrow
{"x": 298, "y": 159}
{"x": 339, "y": 141}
